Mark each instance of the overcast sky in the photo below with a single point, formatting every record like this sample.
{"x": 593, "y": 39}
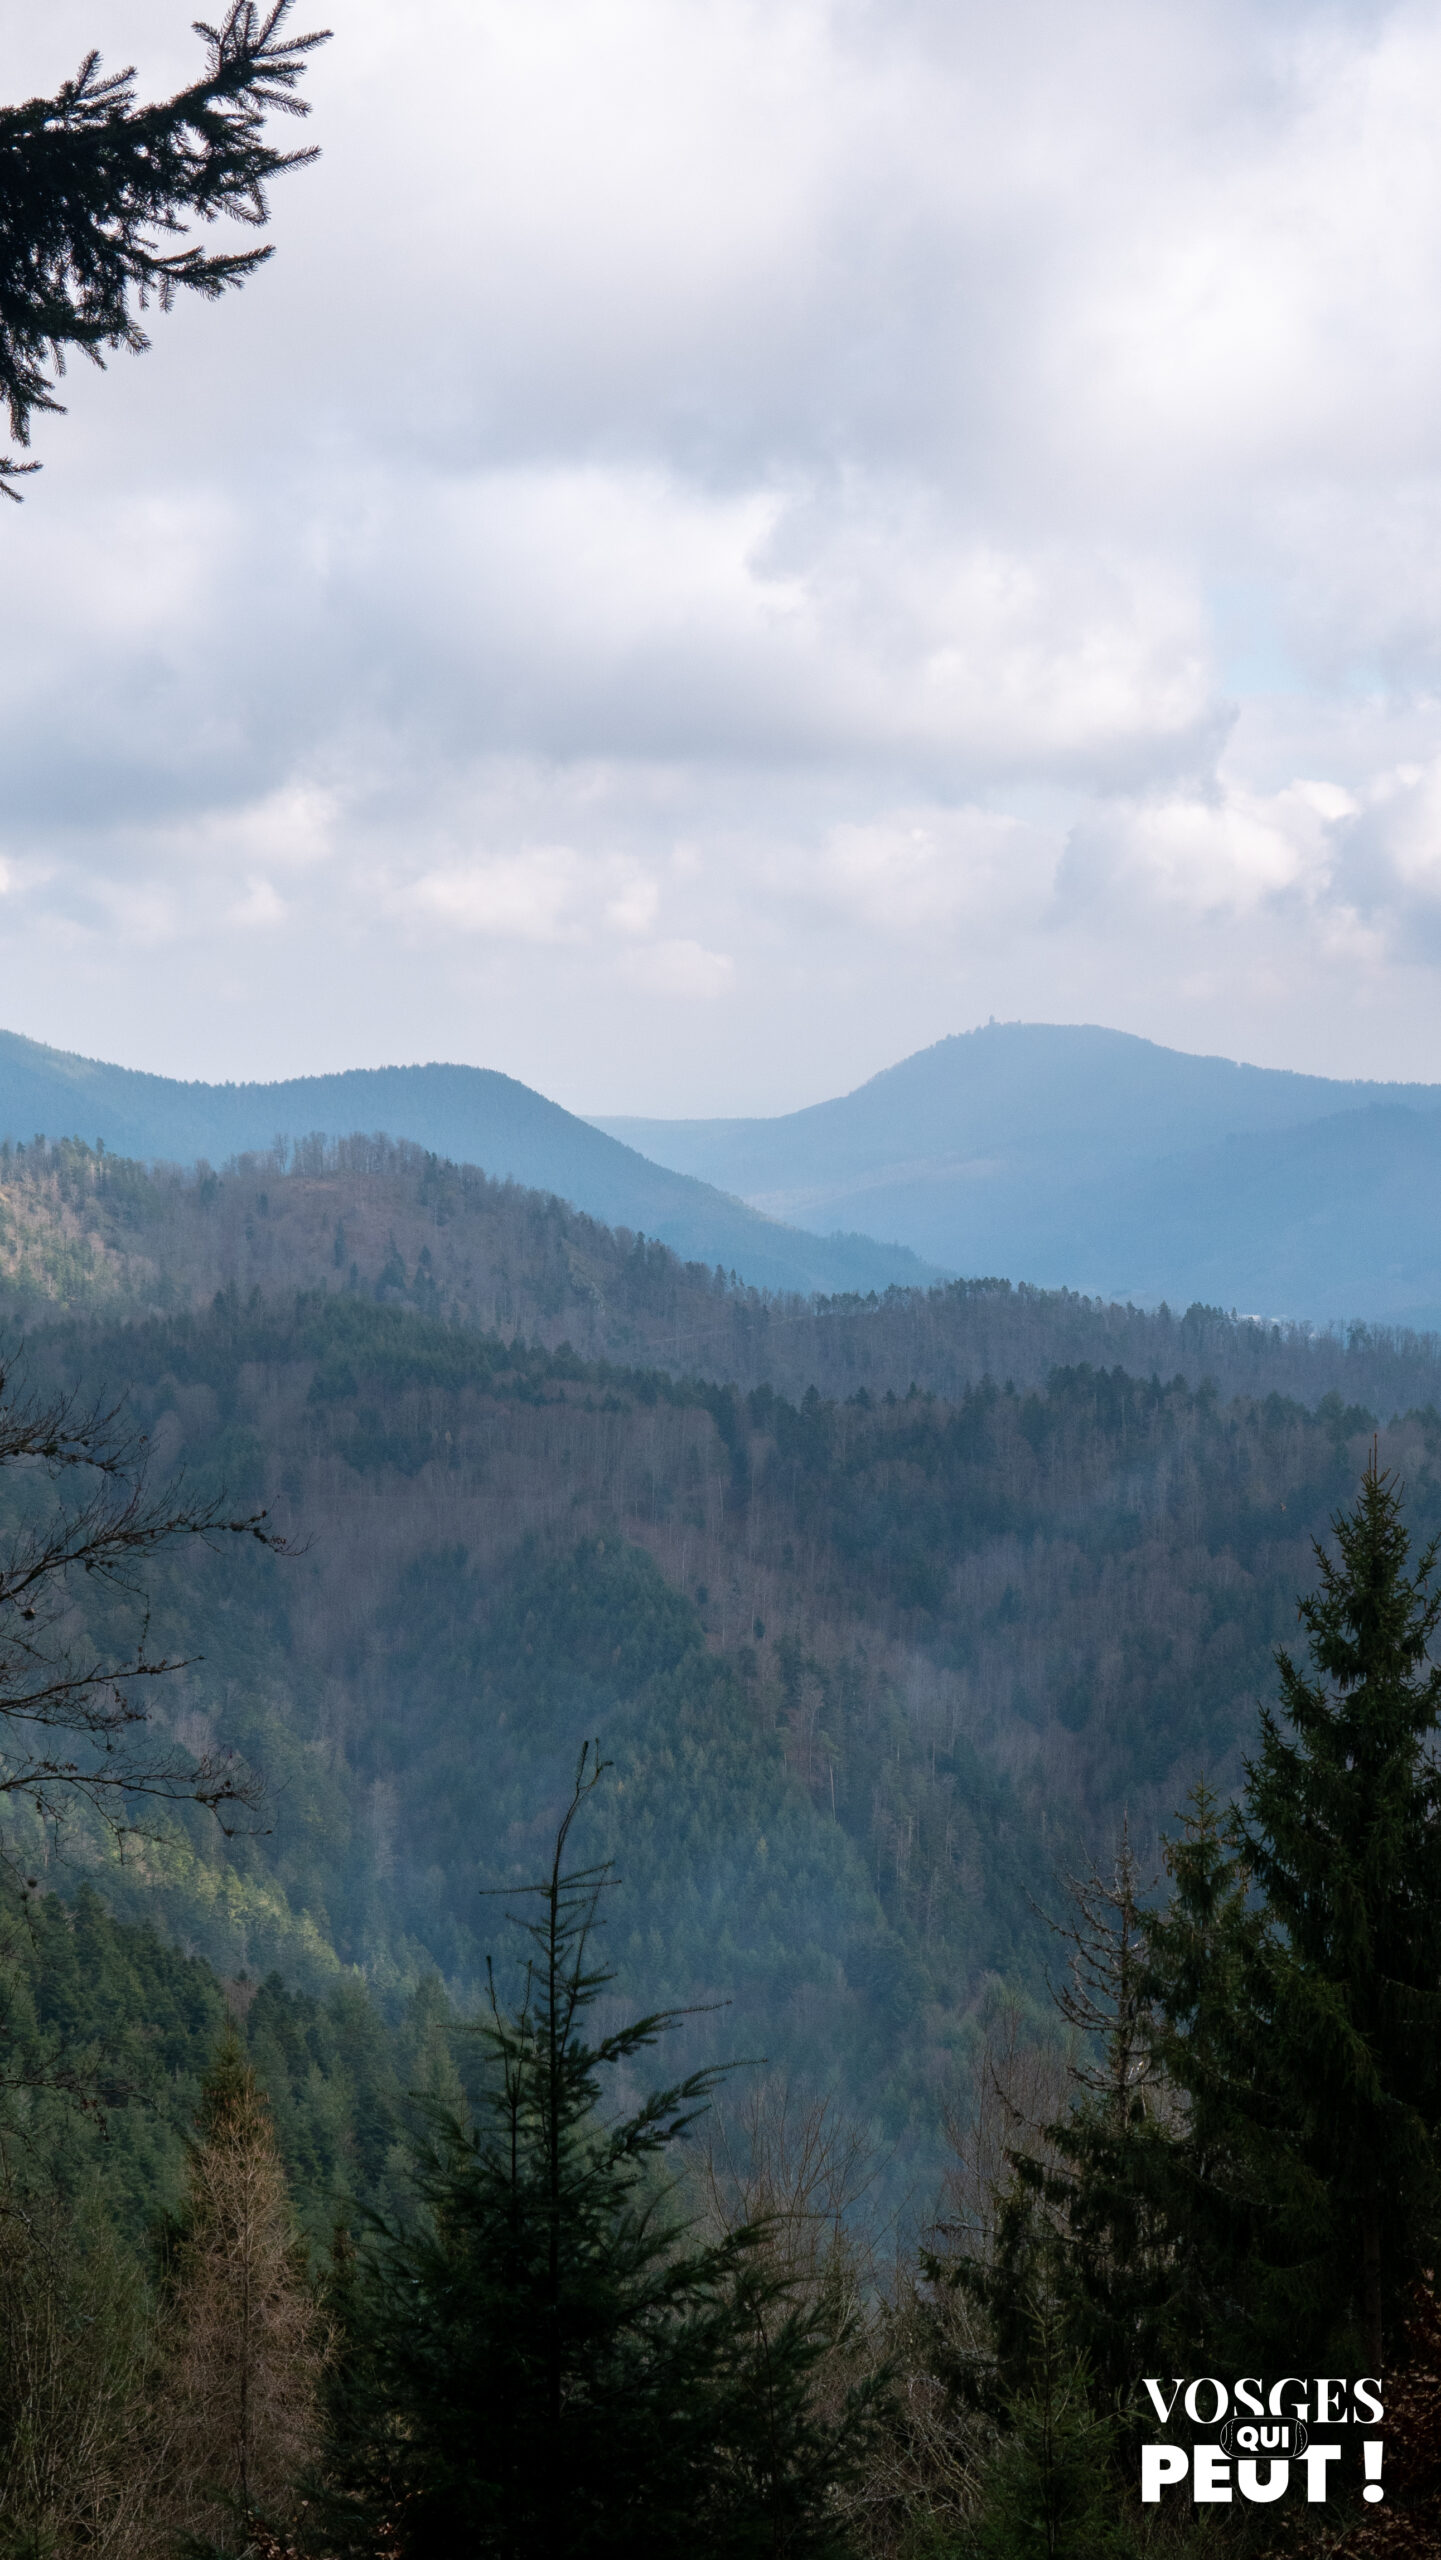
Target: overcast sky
{"x": 735, "y": 537}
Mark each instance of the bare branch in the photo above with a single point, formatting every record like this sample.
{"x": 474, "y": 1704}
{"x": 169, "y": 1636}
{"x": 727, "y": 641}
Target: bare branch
{"x": 73, "y": 1713}
{"x": 1104, "y": 1997}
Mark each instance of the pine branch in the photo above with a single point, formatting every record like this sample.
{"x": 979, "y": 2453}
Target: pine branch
{"x": 93, "y": 187}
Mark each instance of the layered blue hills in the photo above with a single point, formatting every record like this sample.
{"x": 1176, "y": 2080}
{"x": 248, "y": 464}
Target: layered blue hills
{"x": 471, "y": 1114}
{"x": 1078, "y": 1157}
{"x": 1064, "y": 1155}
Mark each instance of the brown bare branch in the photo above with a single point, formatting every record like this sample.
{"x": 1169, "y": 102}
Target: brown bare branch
{"x": 74, "y": 1715}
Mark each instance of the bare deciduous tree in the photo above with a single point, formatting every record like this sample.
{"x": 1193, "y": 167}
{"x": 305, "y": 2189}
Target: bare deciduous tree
{"x": 797, "y": 2164}
{"x": 797, "y": 2168}
{"x": 247, "y": 2345}
{"x": 79, "y": 2444}
{"x": 1105, "y": 1998}
{"x": 74, "y": 1716}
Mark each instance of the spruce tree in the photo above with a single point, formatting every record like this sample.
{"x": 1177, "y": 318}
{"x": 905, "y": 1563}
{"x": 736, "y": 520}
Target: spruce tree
{"x": 1110, "y": 2262}
{"x": 549, "y": 2362}
{"x": 1050, "y": 2492}
{"x": 1247, "y": 2177}
{"x": 1077, "y": 2258}
{"x": 1341, "y": 1830}
{"x": 1243, "y": 2223}
{"x": 1295, "y": 1982}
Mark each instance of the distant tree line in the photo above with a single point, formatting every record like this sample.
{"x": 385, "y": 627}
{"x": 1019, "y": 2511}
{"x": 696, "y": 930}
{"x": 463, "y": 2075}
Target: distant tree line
{"x": 84, "y": 1229}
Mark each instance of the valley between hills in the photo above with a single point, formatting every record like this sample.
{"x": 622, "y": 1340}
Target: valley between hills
{"x": 880, "y": 1625}
{"x": 887, "y": 1610}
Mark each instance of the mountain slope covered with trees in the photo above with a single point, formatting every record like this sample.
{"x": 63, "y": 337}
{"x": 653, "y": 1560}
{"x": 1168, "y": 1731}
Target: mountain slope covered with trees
{"x": 873, "y": 1668}
{"x": 388, "y": 1222}
{"x": 868, "y": 1668}
{"x": 470, "y": 1114}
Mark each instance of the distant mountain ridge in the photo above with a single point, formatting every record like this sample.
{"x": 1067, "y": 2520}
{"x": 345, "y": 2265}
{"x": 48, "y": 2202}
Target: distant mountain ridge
{"x": 473, "y": 1115}
{"x": 1072, "y": 1156}
{"x": 1063, "y": 1157}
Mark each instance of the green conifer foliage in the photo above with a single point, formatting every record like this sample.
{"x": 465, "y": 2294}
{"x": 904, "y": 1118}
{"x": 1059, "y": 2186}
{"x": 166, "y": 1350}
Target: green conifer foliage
{"x": 1050, "y": 2493}
{"x": 1294, "y": 1985}
{"x": 1078, "y": 2268}
{"x": 91, "y": 188}
{"x": 1244, "y": 2222}
{"x": 1090, "y": 2202}
{"x": 549, "y": 2362}
{"x": 1341, "y": 1831}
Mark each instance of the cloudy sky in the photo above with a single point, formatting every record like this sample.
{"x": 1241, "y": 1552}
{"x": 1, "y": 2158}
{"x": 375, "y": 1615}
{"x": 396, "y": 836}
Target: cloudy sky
{"x": 736, "y": 537}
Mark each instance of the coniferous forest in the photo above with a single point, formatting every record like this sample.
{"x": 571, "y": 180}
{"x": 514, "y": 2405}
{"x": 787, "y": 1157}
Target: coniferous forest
{"x": 605, "y": 1953}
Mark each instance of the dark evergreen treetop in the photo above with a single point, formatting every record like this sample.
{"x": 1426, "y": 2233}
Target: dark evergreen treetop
{"x": 1295, "y": 1980}
{"x": 549, "y": 2363}
{"x": 1296, "y": 1977}
{"x": 1341, "y": 1830}
{"x": 93, "y": 187}
{"x": 1250, "y": 2168}
{"x": 1343, "y": 1827}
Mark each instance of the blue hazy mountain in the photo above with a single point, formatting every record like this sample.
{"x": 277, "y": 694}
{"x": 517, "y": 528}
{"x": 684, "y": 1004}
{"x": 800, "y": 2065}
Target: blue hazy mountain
{"x": 470, "y": 1114}
{"x": 1078, "y": 1157}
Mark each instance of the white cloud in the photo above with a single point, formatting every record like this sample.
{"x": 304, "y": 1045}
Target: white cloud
{"x": 529, "y": 896}
{"x": 1403, "y": 828}
{"x": 679, "y": 968}
{"x": 1227, "y": 854}
{"x": 924, "y": 870}
{"x": 634, "y": 908}
{"x": 293, "y": 829}
{"x": 857, "y": 513}
{"x": 261, "y": 905}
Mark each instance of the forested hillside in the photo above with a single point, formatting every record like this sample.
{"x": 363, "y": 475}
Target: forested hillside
{"x": 123, "y": 2027}
{"x": 867, "y": 1669}
{"x": 872, "y": 1669}
{"x": 470, "y": 1113}
{"x": 364, "y": 1217}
